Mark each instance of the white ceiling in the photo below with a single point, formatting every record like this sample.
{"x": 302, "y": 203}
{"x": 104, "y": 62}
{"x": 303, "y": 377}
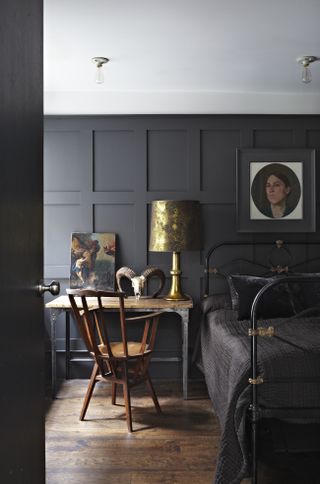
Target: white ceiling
{"x": 181, "y": 56}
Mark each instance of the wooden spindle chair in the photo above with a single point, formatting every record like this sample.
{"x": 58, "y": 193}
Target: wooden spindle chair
{"x": 118, "y": 362}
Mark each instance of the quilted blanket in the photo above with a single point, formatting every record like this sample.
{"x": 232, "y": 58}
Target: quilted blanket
{"x": 289, "y": 363}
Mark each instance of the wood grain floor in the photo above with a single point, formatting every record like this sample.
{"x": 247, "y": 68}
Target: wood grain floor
{"x": 179, "y": 446}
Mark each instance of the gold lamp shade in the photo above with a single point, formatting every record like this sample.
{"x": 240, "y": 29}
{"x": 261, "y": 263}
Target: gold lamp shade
{"x": 175, "y": 226}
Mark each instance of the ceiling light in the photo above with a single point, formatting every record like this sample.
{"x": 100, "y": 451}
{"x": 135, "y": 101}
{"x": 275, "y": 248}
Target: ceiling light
{"x": 99, "y": 61}
{"x": 306, "y": 60}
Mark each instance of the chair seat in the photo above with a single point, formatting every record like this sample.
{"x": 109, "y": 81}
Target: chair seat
{"x": 134, "y": 348}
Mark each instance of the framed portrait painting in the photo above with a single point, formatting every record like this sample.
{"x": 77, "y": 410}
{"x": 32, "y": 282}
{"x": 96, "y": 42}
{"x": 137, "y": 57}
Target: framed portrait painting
{"x": 93, "y": 261}
{"x": 276, "y": 190}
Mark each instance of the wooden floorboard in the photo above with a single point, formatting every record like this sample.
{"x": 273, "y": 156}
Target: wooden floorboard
{"x": 179, "y": 446}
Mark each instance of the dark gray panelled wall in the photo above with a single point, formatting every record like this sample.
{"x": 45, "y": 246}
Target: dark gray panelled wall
{"x": 101, "y": 173}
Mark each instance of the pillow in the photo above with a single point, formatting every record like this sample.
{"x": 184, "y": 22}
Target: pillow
{"x": 214, "y": 302}
{"x": 275, "y": 303}
{"x": 306, "y": 294}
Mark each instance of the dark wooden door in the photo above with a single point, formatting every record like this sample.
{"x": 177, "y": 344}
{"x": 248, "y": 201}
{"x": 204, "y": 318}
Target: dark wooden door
{"x": 21, "y": 247}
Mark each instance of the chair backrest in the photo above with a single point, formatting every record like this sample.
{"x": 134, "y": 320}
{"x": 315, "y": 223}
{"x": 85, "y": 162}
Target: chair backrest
{"x": 88, "y": 308}
{"x": 88, "y": 311}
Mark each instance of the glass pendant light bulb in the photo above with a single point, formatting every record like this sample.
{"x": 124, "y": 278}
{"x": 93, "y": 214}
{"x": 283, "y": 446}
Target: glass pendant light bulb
{"x": 99, "y": 62}
{"x": 306, "y": 74}
{"x": 99, "y": 74}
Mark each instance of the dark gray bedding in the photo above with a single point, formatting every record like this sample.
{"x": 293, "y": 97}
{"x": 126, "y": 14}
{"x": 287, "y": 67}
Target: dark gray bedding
{"x": 292, "y": 357}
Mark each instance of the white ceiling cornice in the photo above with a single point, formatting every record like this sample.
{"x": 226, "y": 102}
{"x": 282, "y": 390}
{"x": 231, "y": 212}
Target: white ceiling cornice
{"x": 179, "y": 103}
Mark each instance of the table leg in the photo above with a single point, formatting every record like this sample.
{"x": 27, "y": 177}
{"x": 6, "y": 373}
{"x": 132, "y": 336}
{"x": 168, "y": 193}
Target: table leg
{"x": 67, "y": 345}
{"x": 185, "y": 330}
{"x": 53, "y": 320}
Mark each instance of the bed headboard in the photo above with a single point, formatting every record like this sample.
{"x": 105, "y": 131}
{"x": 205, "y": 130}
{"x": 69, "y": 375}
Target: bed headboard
{"x": 259, "y": 258}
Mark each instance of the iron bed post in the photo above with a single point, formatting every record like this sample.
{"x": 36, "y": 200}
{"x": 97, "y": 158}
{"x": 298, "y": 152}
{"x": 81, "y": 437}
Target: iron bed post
{"x": 207, "y": 266}
{"x": 254, "y": 396}
{"x": 256, "y": 379}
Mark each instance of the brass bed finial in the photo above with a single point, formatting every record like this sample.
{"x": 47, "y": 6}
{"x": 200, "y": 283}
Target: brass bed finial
{"x": 279, "y": 269}
{"x": 212, "y": 270}
{"x": 256, "y": 381}
{"x": 261, "y": 331}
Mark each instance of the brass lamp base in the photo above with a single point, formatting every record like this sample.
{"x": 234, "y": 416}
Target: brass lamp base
{"x": 175, "y": 293}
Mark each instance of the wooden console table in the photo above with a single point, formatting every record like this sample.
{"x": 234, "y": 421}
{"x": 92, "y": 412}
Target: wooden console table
{"x": 61, "y": 304}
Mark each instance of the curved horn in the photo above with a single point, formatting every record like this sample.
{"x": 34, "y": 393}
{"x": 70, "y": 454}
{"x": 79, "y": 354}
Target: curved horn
{"x": 124, "y": 272}
{"x": 153, "y": 271}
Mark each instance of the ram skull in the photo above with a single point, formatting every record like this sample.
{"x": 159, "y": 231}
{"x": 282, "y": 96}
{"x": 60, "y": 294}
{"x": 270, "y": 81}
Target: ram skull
{"x": 138, "y": 282}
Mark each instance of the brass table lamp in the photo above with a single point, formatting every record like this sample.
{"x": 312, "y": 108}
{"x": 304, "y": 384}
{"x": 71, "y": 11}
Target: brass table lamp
{"x": 175, "y": 226}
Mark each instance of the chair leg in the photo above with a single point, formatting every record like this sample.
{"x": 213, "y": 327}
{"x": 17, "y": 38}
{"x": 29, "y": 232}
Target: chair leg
{"x": 90, "y": 389}
{"x": 152, "y": 393}
{"x": 126, "y": 395}
{"x": 114, "y": 393}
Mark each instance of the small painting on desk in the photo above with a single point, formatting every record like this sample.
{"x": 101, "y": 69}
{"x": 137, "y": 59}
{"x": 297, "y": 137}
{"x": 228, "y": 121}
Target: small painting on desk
{"x": 93, "y": 261}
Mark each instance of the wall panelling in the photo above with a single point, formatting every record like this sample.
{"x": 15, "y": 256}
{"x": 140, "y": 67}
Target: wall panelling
{"x": 102, "y": 172}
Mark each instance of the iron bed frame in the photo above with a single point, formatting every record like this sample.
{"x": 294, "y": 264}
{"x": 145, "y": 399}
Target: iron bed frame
{"x": 256, "y": 412}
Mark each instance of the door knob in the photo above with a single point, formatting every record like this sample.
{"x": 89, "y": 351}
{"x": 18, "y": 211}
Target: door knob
{"x": 53, "y": 287}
